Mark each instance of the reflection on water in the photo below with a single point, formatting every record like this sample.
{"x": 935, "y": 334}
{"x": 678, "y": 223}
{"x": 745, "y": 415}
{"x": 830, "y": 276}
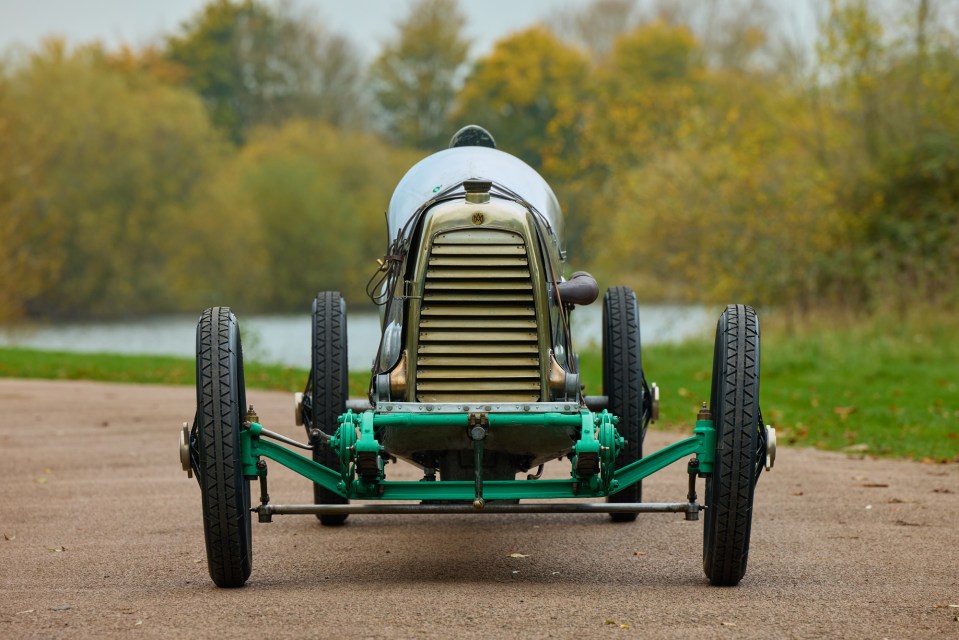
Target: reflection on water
{"x": 286, "y": 339}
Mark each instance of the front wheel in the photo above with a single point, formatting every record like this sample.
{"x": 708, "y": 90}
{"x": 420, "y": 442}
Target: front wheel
{"x": 624, "y": 384}
{"x": 329, "y": 387}
{"x": 221, "y": 402}
{"x": 734, "y": 403}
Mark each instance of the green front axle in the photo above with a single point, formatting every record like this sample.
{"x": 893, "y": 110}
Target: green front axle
{"x": 362, "y": 458}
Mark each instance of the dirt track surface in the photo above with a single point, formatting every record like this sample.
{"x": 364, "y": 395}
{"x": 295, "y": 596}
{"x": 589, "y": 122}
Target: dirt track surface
{"x": 100, "y": 536}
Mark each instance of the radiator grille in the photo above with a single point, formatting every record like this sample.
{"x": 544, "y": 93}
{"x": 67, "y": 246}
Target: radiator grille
{"x": 477, "y": 335}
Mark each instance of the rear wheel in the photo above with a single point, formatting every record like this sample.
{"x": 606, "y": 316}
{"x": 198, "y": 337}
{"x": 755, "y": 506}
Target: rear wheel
{"x": 624, "y": 384}
{"x": 221, "y": 402}
{"x": 329, "y": 387}
{"x": 734, "y": 403}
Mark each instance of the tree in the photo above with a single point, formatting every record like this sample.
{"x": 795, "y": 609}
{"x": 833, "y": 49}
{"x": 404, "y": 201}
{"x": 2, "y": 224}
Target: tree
{"x": 415, "y": 77}
{"x": 596, "y": 26}
{"x": 105, "y": 167}
{"x": 255, "y": 63}
{"x": 731, "y": 33}
{"x": 529, "y": 92}
{"x": 646, "y": 86}
{"x": 314, "y": 197}
{"x": 890, "y": 80}
{"x": 26, "y": 266}
{"x": 851, "y": 47}
{"x": 521, "y": 87}
{"x": 728, "y": 208}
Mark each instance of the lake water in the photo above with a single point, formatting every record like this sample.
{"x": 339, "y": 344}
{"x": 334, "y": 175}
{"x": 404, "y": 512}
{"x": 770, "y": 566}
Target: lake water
{"x": 286, "y": 339}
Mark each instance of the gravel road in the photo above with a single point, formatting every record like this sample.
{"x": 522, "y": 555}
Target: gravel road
{"x": 100, "y": 536}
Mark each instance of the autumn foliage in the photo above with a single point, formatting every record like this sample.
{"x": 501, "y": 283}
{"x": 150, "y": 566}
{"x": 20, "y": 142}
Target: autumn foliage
{"x": 248, "y": 158}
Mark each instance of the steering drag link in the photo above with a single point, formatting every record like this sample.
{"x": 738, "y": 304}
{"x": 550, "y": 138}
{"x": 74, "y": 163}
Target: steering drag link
{"x": 278, "y": 436}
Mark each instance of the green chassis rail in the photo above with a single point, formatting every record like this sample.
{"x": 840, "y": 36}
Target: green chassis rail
{"x": 362, "y": 459}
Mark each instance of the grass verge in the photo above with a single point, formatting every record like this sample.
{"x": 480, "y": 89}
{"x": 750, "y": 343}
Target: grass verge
{"x": 883, "y": 387}
{"x": 871, "y": 388}
{"x": 106, "y": 367}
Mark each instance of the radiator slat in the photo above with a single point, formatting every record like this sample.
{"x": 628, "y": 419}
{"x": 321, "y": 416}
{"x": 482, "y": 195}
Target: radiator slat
{"x": 487, "y": 250}
{"x": 480, "y": 286}
{"x": 483, "y": 274}
{"x": 477, "y": 373}
{"x": 489, "y": 323}
{"x": 479, "y": 335}
{"x": 487, "y": 361}
{"x": 474, "y": 311}
{"x": 488, "y": 237}
{"x": 470, "y": 261}
{"x": 441, "y": 349}
{"x": 488, "y": 297}
{"x": 478, "y": 385}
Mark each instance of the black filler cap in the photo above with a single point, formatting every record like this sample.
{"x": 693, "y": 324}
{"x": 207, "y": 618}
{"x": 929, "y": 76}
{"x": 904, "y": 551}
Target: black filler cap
{"x": 472, "y": 135}
{"x": 477, "y": 186}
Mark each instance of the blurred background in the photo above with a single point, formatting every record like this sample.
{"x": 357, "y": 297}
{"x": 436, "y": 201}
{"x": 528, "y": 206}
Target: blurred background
{"x": 159, "y": 158}
{"x": 802, "y": 156}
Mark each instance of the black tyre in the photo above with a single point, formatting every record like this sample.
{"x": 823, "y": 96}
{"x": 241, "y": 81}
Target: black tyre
{"x": 734, "y": 402}
{"x": 221, "y": 404}
{"x": 624, "y": 385}
{"x": 329, "y": 387}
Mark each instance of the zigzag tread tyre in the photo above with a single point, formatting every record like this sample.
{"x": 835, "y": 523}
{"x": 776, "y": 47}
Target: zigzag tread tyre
{"x": 734, "y": 403}
{"x": 623, "y": 384}
{"x": 329, "y": 387}
{"x": 221, "y": 401}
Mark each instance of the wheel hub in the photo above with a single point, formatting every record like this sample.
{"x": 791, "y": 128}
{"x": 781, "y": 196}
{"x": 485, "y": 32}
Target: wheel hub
{"x": 770, "y": 448}
{"x": 185, "y": 450}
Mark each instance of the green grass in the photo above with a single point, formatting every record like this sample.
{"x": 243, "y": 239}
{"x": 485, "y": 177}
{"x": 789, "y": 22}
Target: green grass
{"x": 878, "y": 387}
{"x": 55, "y": 365}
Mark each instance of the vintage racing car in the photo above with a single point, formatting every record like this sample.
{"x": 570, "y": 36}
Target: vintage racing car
{"x": 475, "y": 381}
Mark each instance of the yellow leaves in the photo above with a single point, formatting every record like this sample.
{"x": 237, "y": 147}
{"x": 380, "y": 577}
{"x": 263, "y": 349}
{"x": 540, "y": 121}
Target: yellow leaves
{"x": 305, "y": 200}
{"x": 706, "y": 188}
{"x": 656, "y": 52}
{"x": 415, "y": 75}
{"x": 754, "y": 37}
{"x": 528, "y": 91}
{"x": 613, "y": 623}
{"x": 732, "y": 115}
{"x": 111, "y": 160}
{"x": 844, "y": 412}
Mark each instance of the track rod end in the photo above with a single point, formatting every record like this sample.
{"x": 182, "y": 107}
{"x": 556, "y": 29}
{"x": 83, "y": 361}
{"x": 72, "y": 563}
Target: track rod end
{"x": 479, "y": 503}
